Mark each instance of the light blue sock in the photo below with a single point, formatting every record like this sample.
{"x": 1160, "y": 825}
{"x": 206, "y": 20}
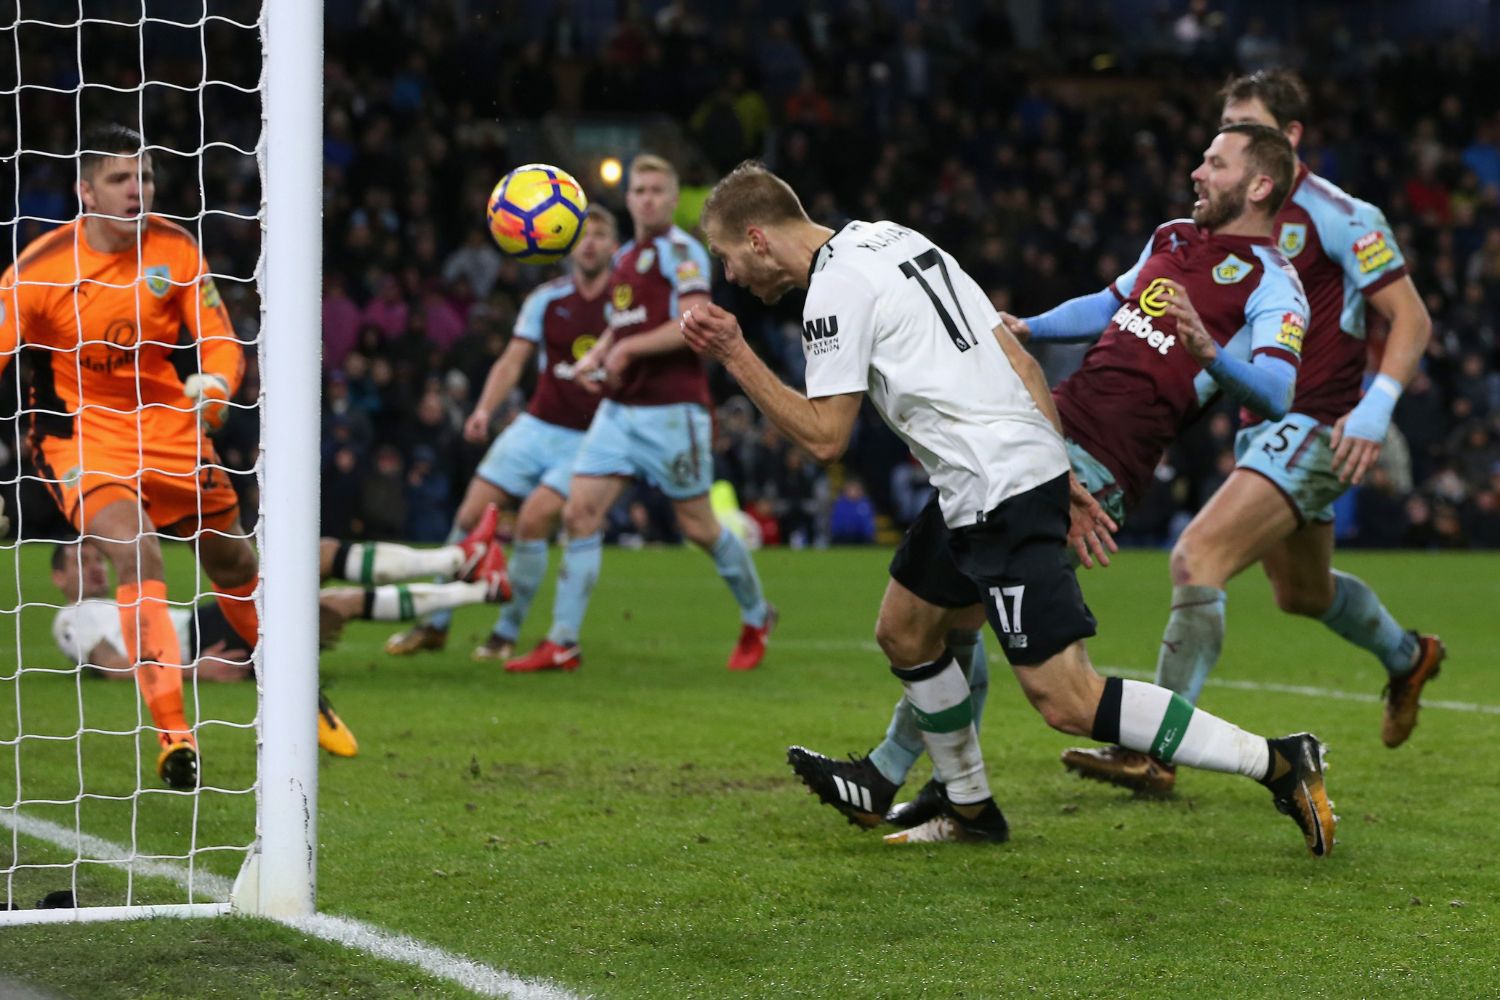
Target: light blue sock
{"x": 1193, "y": 638}
{"x": 575, "y": 582}
{"x": 442, "y": 619}
{"x": 735, "y": 566}
{"x": 528, "y": 565}
{"x": 1357, "y": 615}
{"x": 898, "y": 752}
{"x": 902, "y": 744}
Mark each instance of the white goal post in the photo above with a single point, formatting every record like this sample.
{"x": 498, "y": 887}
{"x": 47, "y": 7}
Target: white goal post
{"x": 291, "y": 357}
{"x": 278, "y": 875}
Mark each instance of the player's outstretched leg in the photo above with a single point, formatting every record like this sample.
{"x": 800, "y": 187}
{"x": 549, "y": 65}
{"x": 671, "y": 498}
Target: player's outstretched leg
{"x": 1190, "y": 647}
{"x": 463, "y": 558}
{"x": 1151, "y": 719}
{"x": 1243, "y": 521}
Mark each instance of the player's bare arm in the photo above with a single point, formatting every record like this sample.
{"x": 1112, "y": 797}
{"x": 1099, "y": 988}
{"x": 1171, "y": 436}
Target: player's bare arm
{"x": 503, "y": 376}
{"x": 1358, "y": 435}
{"x": 111, "y": 661}
{"x": 821, "y": 425}
{"x": 662, "y": 340}
{"x": 1090, "y": 530}
{"x": 585, "y": 372}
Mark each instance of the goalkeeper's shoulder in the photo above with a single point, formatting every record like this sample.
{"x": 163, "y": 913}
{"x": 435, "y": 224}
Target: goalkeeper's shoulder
{"x": 163, "y": 228}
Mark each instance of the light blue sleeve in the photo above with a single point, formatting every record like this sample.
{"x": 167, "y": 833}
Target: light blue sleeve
{"x": 529, "y": 319}
{"x": 1265, "y": 385}
{"x": 1126, "y": 282}
{"x": 1080, "y": 319}
{"x": 1276, "y": 311}
{"x": 1362, "y": 244}
{"x": 1275, "y": 320}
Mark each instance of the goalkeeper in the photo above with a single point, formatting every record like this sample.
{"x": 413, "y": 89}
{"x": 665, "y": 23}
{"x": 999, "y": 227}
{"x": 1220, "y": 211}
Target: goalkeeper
{"x": 118, "y": 438}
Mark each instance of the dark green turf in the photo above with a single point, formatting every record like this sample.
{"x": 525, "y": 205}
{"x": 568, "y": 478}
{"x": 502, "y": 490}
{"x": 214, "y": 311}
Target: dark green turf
{"x": 631, "y": 830}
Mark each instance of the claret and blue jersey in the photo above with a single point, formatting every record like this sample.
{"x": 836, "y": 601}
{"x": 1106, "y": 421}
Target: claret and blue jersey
{"x": 1138, "y": 387}
{"x": 1343, "y": 250}
{"x": 645, "y": 287}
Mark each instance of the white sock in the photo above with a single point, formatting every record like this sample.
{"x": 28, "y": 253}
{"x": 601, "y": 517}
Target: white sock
{"x": 939, "y": 697}
{"x": 375, "y": 563}
{"x": 1166, "y": 726}
{"x": 403, "y": 602}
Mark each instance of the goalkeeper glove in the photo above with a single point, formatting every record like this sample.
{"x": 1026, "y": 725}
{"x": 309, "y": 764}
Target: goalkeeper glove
{"x": 211, "y": 394}
{"x": 4, "y": 520}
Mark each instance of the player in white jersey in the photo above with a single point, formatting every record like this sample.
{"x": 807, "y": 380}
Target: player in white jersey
{"x": 891, "y": 315}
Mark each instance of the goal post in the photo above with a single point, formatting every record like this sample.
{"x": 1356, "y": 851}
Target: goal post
{"x": 291, "y": 267}
{"x": 82, "y": 814}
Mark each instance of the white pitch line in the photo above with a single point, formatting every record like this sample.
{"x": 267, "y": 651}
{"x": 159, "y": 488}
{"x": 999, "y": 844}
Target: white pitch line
{"x": 471, "y": 975}
{"x": 1333, "y": 694}
{"x": 1315, "y": 692}
{"x": 204, "y": 886}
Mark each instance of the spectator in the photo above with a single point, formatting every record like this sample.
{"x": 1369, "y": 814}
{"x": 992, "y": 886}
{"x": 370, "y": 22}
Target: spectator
{"x": 852, "y": 519}
{"x": 382, "y": 496}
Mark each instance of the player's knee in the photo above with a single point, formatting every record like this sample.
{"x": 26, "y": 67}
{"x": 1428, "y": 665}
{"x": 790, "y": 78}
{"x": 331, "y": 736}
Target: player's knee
{"x": 534, "y": 526}
{"x": 888, "y": 638}
{"x": 1187, "y": 561}
{"x": 904, "y": 645}
{"x": 580, "y": 520}
{"x": 231, "y": 565}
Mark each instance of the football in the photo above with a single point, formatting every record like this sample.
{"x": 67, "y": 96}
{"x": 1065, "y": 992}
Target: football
{"x": 536, "y": 213}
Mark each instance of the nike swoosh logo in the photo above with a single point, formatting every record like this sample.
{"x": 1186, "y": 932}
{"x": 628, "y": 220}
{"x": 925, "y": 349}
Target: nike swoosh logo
{"x": 1317, "y": 822}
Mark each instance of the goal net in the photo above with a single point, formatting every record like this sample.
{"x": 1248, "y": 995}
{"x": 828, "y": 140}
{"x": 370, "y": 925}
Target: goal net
{"x": 124, "y": 320}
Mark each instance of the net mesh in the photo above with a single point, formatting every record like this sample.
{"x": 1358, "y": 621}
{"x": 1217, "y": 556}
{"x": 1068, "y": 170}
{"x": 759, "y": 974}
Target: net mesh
{"x": 82, "y": 807}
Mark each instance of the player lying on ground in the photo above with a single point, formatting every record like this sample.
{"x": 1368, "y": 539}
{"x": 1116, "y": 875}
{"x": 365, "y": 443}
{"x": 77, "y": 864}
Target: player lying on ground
{"x": 528, "y": 468}
{"x": 87, "y": 630}
{"x": 891, "y": 315}
{"x": 1277, "y": 506}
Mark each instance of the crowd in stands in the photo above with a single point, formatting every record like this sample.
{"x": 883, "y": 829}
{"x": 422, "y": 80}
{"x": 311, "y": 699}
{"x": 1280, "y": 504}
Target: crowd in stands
{"x": 1042, "y": 164}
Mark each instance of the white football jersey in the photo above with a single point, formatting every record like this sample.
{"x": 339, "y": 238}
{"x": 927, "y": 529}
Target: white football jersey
{"x": 891, "y": 314}
{"x": 78, "y": 628}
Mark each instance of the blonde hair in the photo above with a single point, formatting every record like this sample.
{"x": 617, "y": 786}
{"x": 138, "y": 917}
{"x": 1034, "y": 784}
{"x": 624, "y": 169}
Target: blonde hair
{"x": 650, "y": 163}
{"x": 751, "y": 195}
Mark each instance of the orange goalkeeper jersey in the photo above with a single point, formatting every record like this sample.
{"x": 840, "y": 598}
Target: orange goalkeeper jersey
{"x": 103, "y": 328}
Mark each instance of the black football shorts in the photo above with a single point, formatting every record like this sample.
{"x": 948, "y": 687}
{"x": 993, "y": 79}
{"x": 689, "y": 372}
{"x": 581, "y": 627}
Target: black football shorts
{"x": 1014, "y": 561}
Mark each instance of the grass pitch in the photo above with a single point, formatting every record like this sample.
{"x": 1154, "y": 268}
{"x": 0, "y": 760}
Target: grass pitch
{"x": 632, "y": 830}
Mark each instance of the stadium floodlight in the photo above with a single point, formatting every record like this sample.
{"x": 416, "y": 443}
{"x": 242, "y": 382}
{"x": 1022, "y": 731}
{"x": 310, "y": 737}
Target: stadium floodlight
{"x": 82, "y": 810}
